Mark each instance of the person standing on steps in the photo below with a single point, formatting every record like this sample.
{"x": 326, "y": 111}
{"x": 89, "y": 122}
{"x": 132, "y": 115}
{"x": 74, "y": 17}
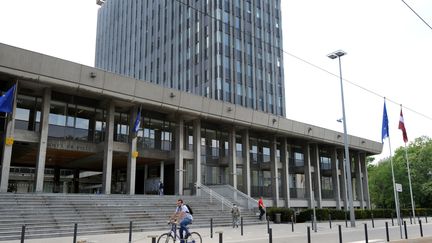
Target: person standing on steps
{"x": 235, "y": 212}
{"x": 161, "y": 188}
{"x": 261, "y": 208}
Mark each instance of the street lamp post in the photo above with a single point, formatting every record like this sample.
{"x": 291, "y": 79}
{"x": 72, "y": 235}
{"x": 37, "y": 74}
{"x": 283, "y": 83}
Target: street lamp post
{"x": 338, "y": 54}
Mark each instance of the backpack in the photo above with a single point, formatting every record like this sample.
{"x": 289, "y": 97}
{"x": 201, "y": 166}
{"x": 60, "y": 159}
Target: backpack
{"x": 189, "y": 209}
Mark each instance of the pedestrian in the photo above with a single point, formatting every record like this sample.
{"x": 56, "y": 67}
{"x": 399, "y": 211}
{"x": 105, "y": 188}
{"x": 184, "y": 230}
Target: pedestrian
{"x": 235, "y": 212}
{"x": 261, "y": 208}
{"x": 182, "y": 216}
{"x": 161, "y": 188}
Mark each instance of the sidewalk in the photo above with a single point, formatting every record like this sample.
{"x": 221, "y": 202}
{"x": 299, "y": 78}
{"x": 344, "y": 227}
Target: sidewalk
{"x": 258, "y": 234}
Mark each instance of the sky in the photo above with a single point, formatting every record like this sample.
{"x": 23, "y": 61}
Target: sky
{"x": 389, "y": 54}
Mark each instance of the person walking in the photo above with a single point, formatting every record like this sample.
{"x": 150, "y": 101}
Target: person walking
{"x": 235, "y": 212}
{"x": 161, "y": 188}
{"x": 261, "y": 208}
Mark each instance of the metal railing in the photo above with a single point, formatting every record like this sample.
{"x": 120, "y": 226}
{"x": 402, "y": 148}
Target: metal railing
{"x": 234, "y": 195}
{"x": 214, "y": 196}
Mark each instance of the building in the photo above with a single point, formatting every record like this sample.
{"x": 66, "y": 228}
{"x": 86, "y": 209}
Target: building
{"x": 72, "y": 130}
{"x": 228, "y": 50}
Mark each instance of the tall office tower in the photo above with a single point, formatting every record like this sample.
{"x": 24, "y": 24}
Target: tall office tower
{"x": 229, "y": 50}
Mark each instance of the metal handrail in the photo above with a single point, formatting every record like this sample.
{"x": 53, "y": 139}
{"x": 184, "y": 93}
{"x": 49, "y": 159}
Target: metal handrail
{"x": 215, "y": 195}
{"x": 239, "y": 197}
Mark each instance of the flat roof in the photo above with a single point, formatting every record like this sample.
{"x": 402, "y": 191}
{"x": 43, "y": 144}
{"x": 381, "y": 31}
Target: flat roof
{"x": 47, "y": 71}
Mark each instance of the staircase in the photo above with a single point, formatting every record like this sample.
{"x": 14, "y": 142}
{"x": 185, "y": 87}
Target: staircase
{"x": 54, "y": 215}
{"x": 230, "y": 193}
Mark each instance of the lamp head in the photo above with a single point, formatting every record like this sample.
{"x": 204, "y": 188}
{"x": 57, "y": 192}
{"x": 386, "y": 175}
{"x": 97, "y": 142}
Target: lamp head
{"x": 336, "y": 54}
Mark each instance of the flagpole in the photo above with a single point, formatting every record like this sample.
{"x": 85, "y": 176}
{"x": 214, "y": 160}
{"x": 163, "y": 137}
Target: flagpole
{"x": 410, "y": 187}
{"x": 394, "y": 190}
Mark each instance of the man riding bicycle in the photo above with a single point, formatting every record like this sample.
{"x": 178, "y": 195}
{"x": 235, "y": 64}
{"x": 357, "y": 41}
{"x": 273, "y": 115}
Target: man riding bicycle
{"x": 183, "y": 216}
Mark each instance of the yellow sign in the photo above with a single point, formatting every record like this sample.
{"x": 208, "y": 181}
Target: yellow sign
{"x": 134, "y": 154}
{"x": 9, "y": 141}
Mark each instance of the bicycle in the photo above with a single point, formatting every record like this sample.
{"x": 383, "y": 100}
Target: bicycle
{"x": 173, "y": 235}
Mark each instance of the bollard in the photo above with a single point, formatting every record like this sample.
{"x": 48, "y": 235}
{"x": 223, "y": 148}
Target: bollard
{"x": 130, "y": 231}
{"x": 292, "y": 224}
{"x": 23, "y": 228}
{"x": 153, "y": 237}
{"x": 421, "y": 228}
{"x": 241, "y": 225}
{"x": 75, "y": 232}
{"x": 410, "y": 218}
{"x": 392, "y": 220}
{"x": 330, "y": 223}
{"x": 340, "y": 233}
{"x": 405, "y": 228}
{"x": 373, "y": 223}
{"x": 270, "y": 235}
{"x": 426, "y": 218}
{"x": 220, "y": 236}
{"x": 308, "y": 234}
{"x": 387, "y": 232}
{"x": 312, "y": 221}
{"x": 268, "y": 224}
{"x": 366, "y": 233}
{"x": 211, "y": 228}
{"x": 346, "y": 222}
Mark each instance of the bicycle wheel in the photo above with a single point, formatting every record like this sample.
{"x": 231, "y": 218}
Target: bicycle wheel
{"x": 165, "y": 238}
{"x": 194, "y": 237}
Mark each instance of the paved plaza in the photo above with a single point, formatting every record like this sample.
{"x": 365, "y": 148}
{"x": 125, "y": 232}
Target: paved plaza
{"x": 282, "y": 233}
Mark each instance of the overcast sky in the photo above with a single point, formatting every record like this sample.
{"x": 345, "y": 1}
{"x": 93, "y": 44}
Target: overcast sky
{"x": 389, "y": 54}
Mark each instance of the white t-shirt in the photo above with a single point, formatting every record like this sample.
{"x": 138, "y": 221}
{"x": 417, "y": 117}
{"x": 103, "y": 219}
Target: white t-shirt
{"x": 183, "y": 208}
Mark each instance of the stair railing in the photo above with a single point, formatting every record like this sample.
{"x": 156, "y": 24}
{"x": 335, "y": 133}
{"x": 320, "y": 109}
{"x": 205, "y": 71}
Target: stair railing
{"x": 214, "y": 196}
{"x": 242, "y": 199}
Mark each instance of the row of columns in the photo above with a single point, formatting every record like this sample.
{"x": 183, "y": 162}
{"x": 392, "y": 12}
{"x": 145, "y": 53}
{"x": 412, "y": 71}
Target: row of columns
{"x": 311, "y": 156}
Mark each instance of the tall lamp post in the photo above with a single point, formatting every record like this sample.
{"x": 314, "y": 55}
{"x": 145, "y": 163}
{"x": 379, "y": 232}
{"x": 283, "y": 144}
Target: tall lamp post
{"x": 338, "y": 54}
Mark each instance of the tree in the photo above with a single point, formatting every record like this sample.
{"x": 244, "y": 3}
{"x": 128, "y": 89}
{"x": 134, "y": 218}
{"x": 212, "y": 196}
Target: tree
{"x": 380, "y": 180}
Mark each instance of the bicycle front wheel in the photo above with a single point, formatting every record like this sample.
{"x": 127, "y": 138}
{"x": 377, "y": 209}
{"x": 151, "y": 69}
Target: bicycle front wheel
{"x": 195, "y": 237}
{"x": 165, "y": 238}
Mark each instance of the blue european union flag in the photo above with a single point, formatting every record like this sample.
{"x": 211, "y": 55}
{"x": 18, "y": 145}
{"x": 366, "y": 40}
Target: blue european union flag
{"x": 137, "y": 122}
{"x": 385, "y": 127}
{"x": 6, "y": 100}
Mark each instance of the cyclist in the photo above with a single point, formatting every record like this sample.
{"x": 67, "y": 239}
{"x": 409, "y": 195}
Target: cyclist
{"x": 182, "y": 216}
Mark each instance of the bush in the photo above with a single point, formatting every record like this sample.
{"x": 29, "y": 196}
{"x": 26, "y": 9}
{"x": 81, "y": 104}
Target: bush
{"x": 286, "y": 213}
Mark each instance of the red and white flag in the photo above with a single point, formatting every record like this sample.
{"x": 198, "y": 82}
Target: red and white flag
{"x": 402, "y": 127}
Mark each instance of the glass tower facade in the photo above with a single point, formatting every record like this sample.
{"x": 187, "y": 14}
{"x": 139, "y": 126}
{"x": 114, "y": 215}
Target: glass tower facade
{"x": 228, "y": 50}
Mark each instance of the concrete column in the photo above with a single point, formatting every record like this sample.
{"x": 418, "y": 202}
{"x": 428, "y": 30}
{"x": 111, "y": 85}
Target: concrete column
{"x": 162, "y": 172}
{"x": 365, "y": 180}
{"x": 274, "y": 171}
{"x": 7, "y": 149}
{"x": 56, "y": 188}
{"x": 145, "y": 176}
{"x": 43, "y": 141}
{"x": 335, "y": 177}
{"x": 284, "y": 156}
{"x": 108, "y": 149}
{"x": 232, "y": 157}
{"x": 131, "y": 164}
{"x": 308, "y": 175}
{"x": 359, "y": 184}
{"x": 343, "y": 181}
{"x": 179, "y": 136}
{"x": 315, "y": 161}
{"x": 246, "y": 163}
{"x": 75, "y": 182}
{"x": 197, "y": 153}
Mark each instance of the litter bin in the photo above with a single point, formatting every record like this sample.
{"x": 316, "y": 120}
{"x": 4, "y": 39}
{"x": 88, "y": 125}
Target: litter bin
{"x": 277, "y": 219}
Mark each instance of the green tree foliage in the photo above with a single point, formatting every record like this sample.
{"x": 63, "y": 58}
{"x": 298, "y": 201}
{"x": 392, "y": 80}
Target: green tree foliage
{"x": 380, "y": 179}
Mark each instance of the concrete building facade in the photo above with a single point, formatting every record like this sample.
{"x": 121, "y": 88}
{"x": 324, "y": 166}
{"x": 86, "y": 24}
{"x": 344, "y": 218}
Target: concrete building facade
{"x": 221, "y": 49}
{"x": 72, "y": 130}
